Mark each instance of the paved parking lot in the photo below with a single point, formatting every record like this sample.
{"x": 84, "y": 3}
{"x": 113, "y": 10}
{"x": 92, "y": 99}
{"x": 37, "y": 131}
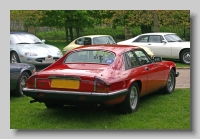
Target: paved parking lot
{"x": 183, "y": 80}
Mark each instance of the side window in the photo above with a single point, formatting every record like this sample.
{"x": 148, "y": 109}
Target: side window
{"x": 79, "y": 41}
{"x": 87, "y": 41}
{"x": 142, "y": 39}
{"x": 130, "y": 60}
{"x": 142, "y": 57}
{"x": 155, "y": 38}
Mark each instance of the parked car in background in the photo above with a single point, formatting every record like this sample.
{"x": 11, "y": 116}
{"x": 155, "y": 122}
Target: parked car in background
{"x": 105, "y": 75}
{"x": 19, "y": 73}
{"x": 96, "y": 39}
{"x": 89, "y": 40}
{"x": 166, "y": 45}
{"x": 27, "y": 48}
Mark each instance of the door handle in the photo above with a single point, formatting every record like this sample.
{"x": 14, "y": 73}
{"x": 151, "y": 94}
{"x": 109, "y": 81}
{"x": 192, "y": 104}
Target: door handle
{"x": 146, "y": 68}
{"x": 149, "y": 44}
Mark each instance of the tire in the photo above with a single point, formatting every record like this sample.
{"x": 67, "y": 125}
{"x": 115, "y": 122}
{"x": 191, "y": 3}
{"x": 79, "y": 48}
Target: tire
{"x": 21, "y": 83}
{"x": 171, "y": 81}
{"x": 131, "y": 101}
{"x": 50, "y": 105}
{"x": 185, "y": 57}
{"x": 14, "y": 58}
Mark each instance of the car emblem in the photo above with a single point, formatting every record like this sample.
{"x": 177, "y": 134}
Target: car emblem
{"x": 49, "y": 56}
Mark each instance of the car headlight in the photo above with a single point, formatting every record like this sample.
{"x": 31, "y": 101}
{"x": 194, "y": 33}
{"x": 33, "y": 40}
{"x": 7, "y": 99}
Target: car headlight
{"x": 30, "y": 54}
{"x": 59, "y": 53}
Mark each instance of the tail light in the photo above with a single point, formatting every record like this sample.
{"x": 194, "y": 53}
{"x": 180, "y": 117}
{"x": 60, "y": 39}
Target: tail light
{"x": 31, "y": 82}
{"x": 101, "y": 86}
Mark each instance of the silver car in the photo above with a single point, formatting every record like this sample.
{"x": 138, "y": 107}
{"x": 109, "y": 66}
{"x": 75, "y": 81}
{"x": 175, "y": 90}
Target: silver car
{"x": 27, "y": 48}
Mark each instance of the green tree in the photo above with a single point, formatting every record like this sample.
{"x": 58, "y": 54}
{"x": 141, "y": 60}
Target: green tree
{"x": 30, "y": 18}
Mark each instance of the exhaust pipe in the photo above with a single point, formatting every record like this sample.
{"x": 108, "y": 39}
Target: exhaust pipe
{"x": 32, "y": 101}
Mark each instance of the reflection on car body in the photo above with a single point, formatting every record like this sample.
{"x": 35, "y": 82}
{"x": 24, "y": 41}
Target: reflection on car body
{"x": 108, "y": 75}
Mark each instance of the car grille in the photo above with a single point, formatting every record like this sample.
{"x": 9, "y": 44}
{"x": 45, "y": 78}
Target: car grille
{"x": 41, "y": 59}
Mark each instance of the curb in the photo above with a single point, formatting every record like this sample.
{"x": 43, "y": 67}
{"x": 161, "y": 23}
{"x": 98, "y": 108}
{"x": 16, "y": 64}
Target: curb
{"x": 183, "y": 67}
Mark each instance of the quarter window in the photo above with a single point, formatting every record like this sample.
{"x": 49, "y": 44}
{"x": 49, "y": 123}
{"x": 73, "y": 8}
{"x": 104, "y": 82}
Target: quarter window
{"x": 142, "y": 57}
{"x": 131, "y": 60}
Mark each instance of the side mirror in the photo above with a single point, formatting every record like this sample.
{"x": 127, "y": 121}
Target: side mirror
{"x": 164, "y": 41}
{"x": 43, "y": 41}
{"x": 157, "y": 59}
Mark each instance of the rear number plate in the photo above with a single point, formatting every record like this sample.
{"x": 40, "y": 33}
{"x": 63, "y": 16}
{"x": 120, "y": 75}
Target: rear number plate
{"x": 62, "y": 83}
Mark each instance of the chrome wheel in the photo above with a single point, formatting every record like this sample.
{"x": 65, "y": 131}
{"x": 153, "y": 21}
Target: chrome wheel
{"x": 22, "y": 83}
{"x": 133, "y": 97}
{"x": 186, "y": 57}
{"x": 14, "y": 58}
{"x": 170, "y": 82}
{"x": 131, "y": 101}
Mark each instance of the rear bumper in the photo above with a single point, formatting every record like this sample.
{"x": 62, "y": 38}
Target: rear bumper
{"x": 55, "y": 95}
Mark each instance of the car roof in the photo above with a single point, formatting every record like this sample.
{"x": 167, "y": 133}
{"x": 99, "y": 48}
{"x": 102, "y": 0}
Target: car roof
{"x": 116, "y": 48}
{"x": 158, "y": 33}
{"x": 92, "y": 36}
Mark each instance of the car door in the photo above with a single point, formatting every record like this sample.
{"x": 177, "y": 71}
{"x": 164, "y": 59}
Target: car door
{"x": 154, "y": 71}
{"x": 155, "y": 43}
{"x": 159, "y": 48}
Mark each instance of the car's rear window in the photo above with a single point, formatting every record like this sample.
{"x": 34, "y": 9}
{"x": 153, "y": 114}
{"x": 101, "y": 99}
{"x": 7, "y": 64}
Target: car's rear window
{"x": 91, "y": 56}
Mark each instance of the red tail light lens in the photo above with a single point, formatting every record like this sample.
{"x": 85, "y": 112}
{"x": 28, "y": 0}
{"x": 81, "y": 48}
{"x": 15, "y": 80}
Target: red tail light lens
{"x": 31, "y": 82}
{"x": 101, "y": 86}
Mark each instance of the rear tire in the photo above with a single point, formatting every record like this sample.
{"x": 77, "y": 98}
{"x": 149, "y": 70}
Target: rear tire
{"x": 21, "y": 83}
{"x": 171, "y": 81}
{"x": 131, "y": 101}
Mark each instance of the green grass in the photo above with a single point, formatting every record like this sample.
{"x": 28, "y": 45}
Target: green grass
{"x": 155, "y": 112}
{"x": 60, "y": 44}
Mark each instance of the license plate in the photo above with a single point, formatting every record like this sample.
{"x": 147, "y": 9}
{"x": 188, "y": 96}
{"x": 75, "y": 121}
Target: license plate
{"x": 48, "y": 60}
{"x": 62, "y": 83}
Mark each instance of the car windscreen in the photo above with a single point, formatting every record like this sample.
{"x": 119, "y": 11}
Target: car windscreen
{"x": 24, "y": 38}
{"x": 91, "y": 56}
{"x": 173, "y": 38}
{"x": 104, "y": 40}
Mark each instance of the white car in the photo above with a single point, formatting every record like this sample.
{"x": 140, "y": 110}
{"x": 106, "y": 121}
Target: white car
{"x": 164, "y": 44}
{"x": 27, "y": 48}
{"x": 96, "y": 39}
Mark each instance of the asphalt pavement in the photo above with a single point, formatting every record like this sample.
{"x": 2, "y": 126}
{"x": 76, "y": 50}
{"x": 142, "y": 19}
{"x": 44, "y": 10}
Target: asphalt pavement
{"x": 183, "y": 80}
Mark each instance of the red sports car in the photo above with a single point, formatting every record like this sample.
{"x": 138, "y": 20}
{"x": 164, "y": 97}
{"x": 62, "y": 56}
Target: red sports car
{"x": 105, "y": 75}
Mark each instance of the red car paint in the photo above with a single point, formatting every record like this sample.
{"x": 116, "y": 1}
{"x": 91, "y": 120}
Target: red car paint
{"x": 98, "y": 78}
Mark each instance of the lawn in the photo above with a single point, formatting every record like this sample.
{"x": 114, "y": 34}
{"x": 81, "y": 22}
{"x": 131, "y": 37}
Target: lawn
{"x": 155, "y": 112}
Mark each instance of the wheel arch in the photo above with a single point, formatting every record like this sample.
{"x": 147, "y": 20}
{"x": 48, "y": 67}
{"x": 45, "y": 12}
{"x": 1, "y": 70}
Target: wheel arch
{"x": 138, "y": 81}
{"x": 27, "y": 71}
{"x": 13, "y": 51}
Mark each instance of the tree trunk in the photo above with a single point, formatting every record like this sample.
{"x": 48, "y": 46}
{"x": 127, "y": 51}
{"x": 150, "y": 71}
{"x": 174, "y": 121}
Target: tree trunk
{"x": 66, "y": 31}
{"x": 128, "y": 32}
{"x": 31, "y": 29}
{"x": 71, "y": 33}
{"x": 145, "y": 29}
{"x": 77, "y": 32}
{"x": 155, "y": 21}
